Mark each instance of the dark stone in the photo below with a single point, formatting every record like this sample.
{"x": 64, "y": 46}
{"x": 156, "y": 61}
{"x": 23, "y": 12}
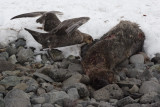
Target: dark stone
{"x": 20, "y": 42}
{"x": 125, "y": 101}
{"x": 7, "y": 66}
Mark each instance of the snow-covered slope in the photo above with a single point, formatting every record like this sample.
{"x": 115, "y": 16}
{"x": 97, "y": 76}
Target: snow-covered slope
{"x": 104, "y": 15}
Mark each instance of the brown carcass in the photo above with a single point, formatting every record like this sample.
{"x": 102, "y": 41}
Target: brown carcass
{"x": 100, "y": 59}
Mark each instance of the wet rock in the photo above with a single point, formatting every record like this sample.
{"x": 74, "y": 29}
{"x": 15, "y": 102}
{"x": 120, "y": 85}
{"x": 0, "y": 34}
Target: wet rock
{"x": 32, "y": 85}
{"x": 54, "y": 96}
{"x": 20, "y": 42}
{"x": 10, "y": 81}
{"x": 12, "y": 59}
{"x": 17, "y": 98}
{"x": 4, "y": 55}
{"x": 38, "y": 100}
{"x": 40, "y": 91}
{"x": 6, "y": 66}
{"x": 75, "y": 68}
{"x": 47, "y": 105}
{"x": 2, "y": 104}
{"x": 56, "y": 55}
{"x": 149, "y": 86}
{"x": 48, "y": 87}
{"x": 129, "y": 82}
{"x": 137, "y": 59}
{"x": 45, "y": 77}
{"x": 73, "y": 94}
{"x": 101, "y": 95}
{"x": 72, "y": 80}
{"x": 125, "y": 101}
{"x": 150, "y": 97}
{"x": 24, "y": 55}
{"x": 59, "y": 75}
{"x": 133, "y": 105}
{"x": 21, "y": 86}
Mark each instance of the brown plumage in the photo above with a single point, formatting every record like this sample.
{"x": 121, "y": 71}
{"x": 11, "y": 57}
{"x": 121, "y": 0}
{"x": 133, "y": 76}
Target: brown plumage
{"x": 64, "y": 34}
{"x": 49, "y": 20}
{"x": 101, "y": 59}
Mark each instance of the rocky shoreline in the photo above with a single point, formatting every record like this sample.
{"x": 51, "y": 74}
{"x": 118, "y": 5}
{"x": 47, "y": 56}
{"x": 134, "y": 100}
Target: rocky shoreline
{"x": 56, "y": 81}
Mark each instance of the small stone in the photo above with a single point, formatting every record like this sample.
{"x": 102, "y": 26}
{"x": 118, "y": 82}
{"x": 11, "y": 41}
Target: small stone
{"x": 10, "y": 73}
{"x": 6, "y": 66}
{"x": 48, "y": 87}
{"x": 146, "y": 75}
{"x": 85, "y": 79}
{"x": 150, "y": 97}
{"x": 20, "y": 42}
{"x": 56, "y": 55}
{"x": 4, "y": 55}
{"x": 104, "y": 104}
{"x": 101, "y": 95}
{"x": 134, "y": 89}
{"x": 113, "y": 102}
{"x": 38, "y": 100}
{"x": 2, "y": 89}
{"x": 10, "y": 81}
{"x": 32, "y": 85}
{"x": 75, "y": 68}
{"x": 137, "y": 59}
{"x": 40, "y": 91}
{"x": 17, "y": 98}
{"x": 12, "y": 59}
{"x": 125, "y": 101}
{"x": 45, "y": 77}
{"x": 73, "y": 94}
{"x": 11, "y": 50}
{"x": 134, "y": 105}
{"x": 122, "y": 75}
{"x": 2, "y": 103}
{"x": 149, "y": 86}
{"x": 47, "y": 105}
{"x": 45, "y": 59}
{"x": 21, "y": 86}
{"x": 133, "y": 73}
{"x": 37, "y": 105}
{"x": 24, "y": 55}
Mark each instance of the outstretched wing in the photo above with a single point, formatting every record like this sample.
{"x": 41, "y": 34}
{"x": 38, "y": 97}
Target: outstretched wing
{"x": 69, "y": 26}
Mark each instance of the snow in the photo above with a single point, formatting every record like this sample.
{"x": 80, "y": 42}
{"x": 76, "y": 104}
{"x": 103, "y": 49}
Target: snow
{"x": 104, "y": 14}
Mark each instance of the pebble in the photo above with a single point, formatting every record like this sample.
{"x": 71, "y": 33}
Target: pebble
{"x": 73, "y": 94}
{"x": 13, "y": 59}
{"x": 124, "y": 101}
{"x": 6, "y": 66}
{"x": 137, "y": 59}
{"x": 45, "y": 77}
{"x": 150, "y": 97}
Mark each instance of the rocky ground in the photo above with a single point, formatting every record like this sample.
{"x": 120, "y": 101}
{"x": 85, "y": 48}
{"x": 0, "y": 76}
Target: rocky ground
{"x": 61, "y": 82}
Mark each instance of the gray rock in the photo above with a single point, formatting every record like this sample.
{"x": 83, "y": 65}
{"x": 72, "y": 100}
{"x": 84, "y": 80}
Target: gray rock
{"x": 149, "y": 86}
{"x": 10, "y": 73}
{"x": 150, "y": 97}
{"x": 21, "y": 86}
{"x": 47, "y": 105}
{"x": 40, "y": 91}
{"x": 38, "y": 100}
{"x": 36, "y": 105}
{"x": 73, "y": 94}
{"x": 45, "y": 59}
{"x": 82, "y": 89}
{"x": 24, "y": 55}
{"x": 134, "y": 89}
{"x": 20, "y": 42}
{"x": 6, "y": 66}
{"x": 59, "y": 75}
{"x": 17, "y": 98}
{"x": 85, "y": 79}
{"x": 10, "y": 81}
{"x": 125, "y": 101}
{"x": 129, "y": 82}
{"x": 11, "y": 50}
{"x": 2, "y": 104}
{"x": 101, "y": 95}
{"x": 157, "y": 104}
{"x": 104, "y": 104}
{"x": 146, "y": 75}
{"x": 124, "y": 63}
{"x": 75, "y": 68}
{"x": 70, "y": 81}
{"x": 133, "y": 73}
{"x": 122, "y": 75}
{"x": 137, "y": 59}
{"x": 114, "y": 91}
{"x": 48, "y": 87}
{"x": 2, "y": 89}
{"x": 32, "y": 85}
{"x": 133, "y": 105}
{"x": 12, "y": 59}
{"x": 64, "y": 64}
{"x": 56, "y": 55}
{"x": 54, "y": 96}
{"x": 4, "y": 55}
{"x": 113, "y": 102}
{"x": 45, "y": 77}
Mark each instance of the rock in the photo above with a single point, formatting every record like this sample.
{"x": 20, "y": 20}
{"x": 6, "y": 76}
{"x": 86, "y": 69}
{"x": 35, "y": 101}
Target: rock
{"x": 101, "y": 95}
{"x": 113, "y": 102}
{"x": 157, "y": 104}
{"x": 45, "y": 77}
{"x": 38, "y": 100}
{"x": 40, "y": 91}
{"x": 156, "y": 60}
{"x": 4, "y": 55}
{"x": 150, "y": 97}
{"x": 48, "y": 87}
{"x": 64, "y": 64}
{"x": 54, "y": 96}
{"x": 20, "y": 42}
{"x": 36, "y": 105}
{"x": 85, "y": 79}
{"x": 146, "y": 75}
{"x": 133, "y": 105}
{"x": 2, "y": 89}
{"x": 24, "y": 55}
{"x": 75, "y": 68}
{"x": 12, "y": 59}
{"x": 56, "y": 55}
{"x": 129, "y": 82}
{"x": 114, "y": 91}
{"x": 122, "y": 74}
{"x": 149, "y": 86}
{"x": 70, "y": 81}
{"x": 133, "y": 73}
{"x": 6, "y": 66}
{"x": 17, "y": 98}
{"x": 10, "y": 81}
{"x": 124, "y": 101}
{"x": 59, "y": 75}
{"x": 134, "y": 89}
{"x": 2, "y": 104}
{"x": 47, "y": 105}
{"x": 137, "y": 59}
{"x": 21, "y": 86}
{"x": 10, "y": 73}
{"x": 32, "y": 85}
{"x": 11, "y": 50}
{"x": 73, "y": 94}
{"x": 104, "y": 104}
{"x": 45, "y": 59}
